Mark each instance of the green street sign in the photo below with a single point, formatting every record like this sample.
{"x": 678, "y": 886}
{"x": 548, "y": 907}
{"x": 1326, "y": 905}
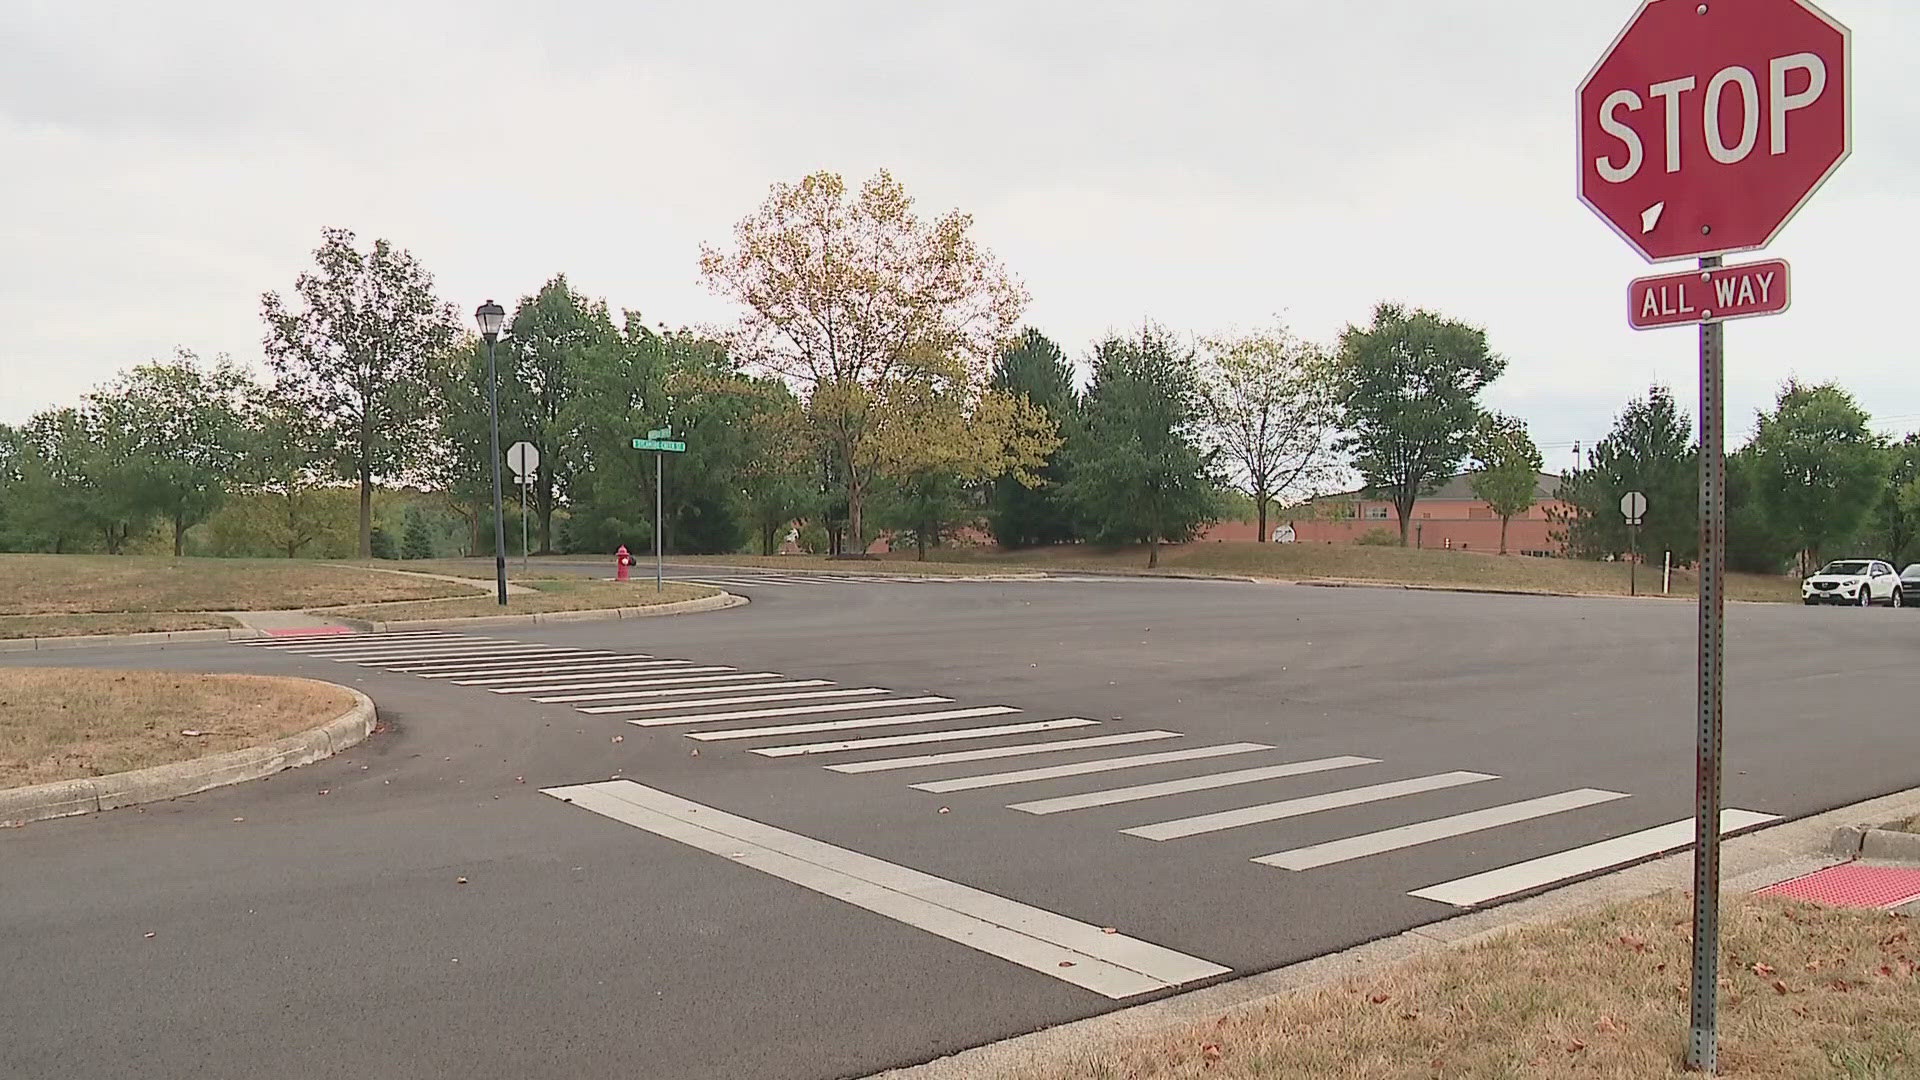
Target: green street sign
{"x": 665, "y": 445}
{"x": 660, "y": 433}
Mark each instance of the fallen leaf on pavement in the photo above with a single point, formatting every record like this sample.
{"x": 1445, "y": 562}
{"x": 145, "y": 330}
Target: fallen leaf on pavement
{"x": 239, "y": 819}
{"x": 1109, "y": 929}
{"x": 323, "y": 791}
{"x": 619, "y": 738}
{"x": 519, "y": 779}
{"x": 1066, "y": 963}
{"x": 149, "y": 933}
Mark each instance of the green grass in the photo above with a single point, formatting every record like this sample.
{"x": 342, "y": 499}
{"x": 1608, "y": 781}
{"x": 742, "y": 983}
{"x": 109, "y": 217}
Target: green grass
{"x": 555, "y": 595}
{"x": 85, "y": 584}
{"x": 47, "y": 626}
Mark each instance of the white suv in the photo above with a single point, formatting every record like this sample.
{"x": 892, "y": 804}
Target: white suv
{"x": 1862, "y": 582}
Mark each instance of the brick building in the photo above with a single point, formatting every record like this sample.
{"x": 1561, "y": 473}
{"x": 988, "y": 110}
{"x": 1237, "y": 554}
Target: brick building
{"x": 1448, "y": 517}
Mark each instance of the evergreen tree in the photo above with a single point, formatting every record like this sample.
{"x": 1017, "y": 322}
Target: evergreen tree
{"x": 1649, "y": 450}
{"x": 1137, "y": 474}
{"x": 1018, "y": 514}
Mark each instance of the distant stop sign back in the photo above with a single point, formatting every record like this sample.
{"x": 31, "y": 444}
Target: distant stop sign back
{"x": 1707, "y": 125}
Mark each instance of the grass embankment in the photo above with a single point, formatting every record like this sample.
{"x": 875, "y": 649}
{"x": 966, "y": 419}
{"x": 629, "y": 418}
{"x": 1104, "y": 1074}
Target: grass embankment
{"x": 1806, "y": 992}
{"x": 62, "y": 723}
{"x": 1308, "y": 562}
{"x": 60, "y": 595}
{"x": 548, "y": 595}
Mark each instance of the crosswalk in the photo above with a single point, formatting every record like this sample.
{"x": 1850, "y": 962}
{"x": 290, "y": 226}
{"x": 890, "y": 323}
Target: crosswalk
{"x": 751, "y": 582}
{"x": 863, "y": 730}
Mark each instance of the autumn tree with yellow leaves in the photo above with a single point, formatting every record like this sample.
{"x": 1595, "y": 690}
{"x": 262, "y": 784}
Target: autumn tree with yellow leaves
{"x": 870, "y": 313}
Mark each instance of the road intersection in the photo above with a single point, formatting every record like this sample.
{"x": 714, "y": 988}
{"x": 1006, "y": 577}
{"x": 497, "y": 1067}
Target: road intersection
{"x": 838, "y": 831}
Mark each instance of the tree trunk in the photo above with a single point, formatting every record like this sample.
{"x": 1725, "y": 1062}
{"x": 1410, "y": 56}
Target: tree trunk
{"x": 920, "y": 541}
{"x": 856, "y": 518}
{"x": 766, "y": 539}
{"x": 1261, "y": 496}
{"x": 543, "y": 500}
{"x": 1406, "y": 520}
{"x": 1153, "y": 550}
{"x": 366, "y": 513}
{"x": 1503, "y": 535}
{"x": 179, "y": 535}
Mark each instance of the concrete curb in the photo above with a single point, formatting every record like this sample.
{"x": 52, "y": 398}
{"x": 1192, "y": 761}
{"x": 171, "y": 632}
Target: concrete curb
{"x": 1342, "y": 583}
{"x": 65, "y": 798}
{"x": 1868, "y": 842}
{"x": 683, "y": 607}
{"x": 151, "y": 637}
{"x": 1750, "y": 861}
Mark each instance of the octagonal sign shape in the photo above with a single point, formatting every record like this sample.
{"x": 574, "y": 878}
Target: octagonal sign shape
{"x": 1707, "y": 125}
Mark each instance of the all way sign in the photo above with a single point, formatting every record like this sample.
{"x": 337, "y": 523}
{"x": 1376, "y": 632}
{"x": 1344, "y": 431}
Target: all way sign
{"x": 1702, "y": 296}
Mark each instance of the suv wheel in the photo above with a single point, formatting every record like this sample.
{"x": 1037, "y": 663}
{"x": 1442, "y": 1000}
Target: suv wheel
{"x": 1898, "y": 599}
{"x": 1866, "y": 595}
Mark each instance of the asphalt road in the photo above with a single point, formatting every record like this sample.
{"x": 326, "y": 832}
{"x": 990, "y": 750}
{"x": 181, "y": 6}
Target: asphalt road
{"x": 326, "y": 934}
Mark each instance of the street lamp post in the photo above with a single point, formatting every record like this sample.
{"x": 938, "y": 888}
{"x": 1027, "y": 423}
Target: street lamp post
{"x": 490, "y": 316}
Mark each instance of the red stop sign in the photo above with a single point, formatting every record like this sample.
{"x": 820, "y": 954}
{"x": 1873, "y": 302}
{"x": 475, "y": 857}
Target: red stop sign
{"x": 1708, "y": 124}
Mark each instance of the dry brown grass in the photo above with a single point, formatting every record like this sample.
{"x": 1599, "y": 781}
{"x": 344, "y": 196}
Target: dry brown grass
{"x": 1297, "y": 562}
{"x": 61, "y": 723}
{"x": 26, "y": 626}
{"x": 1807, "y": 992}
{"x": 74, "y": 584}
{"x": 556, "y": 595}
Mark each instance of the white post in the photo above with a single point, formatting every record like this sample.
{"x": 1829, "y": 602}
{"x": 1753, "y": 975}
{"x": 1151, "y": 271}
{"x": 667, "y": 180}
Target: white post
{"x": 1666, "y": 577}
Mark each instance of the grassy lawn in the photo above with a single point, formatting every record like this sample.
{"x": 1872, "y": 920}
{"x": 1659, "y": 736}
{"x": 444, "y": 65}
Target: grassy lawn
{"x": 61, "y": 723}
{"x": 556, "y": 595}
{"x": 1806, "y": 992}
{"x": 26, "y": 626}
{"x": 1345, "y": 562}
{"x": 79, "y": 584}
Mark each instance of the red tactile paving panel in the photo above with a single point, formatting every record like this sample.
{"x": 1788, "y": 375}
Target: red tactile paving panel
{"x": 1853, "y": 885}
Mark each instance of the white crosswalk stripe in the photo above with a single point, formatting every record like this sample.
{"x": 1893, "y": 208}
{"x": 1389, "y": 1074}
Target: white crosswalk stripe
{"x": 599, "y": 681}
{"x": 1206, "y": 782}
{"x": 782, "y": 730}
{"x": 429, "y": 665}
{"x": 1311, "y": 804}
{"x": 1050, "y": 772}
{"x": 1426, "y": 832}
{"x": 790, "y": 710}
{"x": 920, "y": 737}
{"x": 992, "y": 752}
{"x": 628, "y": 675}
{"x": 648, "y": 706}
{"x": 577, "y": 664}
{"x": 623, "y": 695}
{"x": 1561, "y": 865}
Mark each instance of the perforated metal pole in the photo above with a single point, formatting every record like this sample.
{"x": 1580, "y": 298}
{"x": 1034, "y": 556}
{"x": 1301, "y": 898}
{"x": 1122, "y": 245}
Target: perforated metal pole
{"x": 1702, "y": 1051}
{"x": 658, "y": 474}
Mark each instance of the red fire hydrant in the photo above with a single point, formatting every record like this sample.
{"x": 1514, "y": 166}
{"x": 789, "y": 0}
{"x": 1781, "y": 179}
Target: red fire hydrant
{"x": 621, "y": 561}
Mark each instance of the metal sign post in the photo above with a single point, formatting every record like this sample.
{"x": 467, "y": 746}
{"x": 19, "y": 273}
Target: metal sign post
{"x": 526, "y": 494}
{"x": 661, "y": 446}
{"x": 1634, "y": 506}
{"x": 1702, "y": 1052}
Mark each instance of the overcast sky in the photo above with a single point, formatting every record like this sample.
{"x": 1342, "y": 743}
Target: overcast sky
{"x": 1207, "y": 165}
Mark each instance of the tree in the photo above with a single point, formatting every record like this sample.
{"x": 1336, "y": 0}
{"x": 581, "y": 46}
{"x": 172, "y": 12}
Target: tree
{"x": 1821, "y": 468}
{"x": 357, "y": 355}
{"x": 555, "y": 336}
{"x": 937, "y": 450}
{"x": 1270, "y": 414}
{"x": 1507, "y": 468}
{"x": 417, "y": 541}
{"x": 1649, "y": 450}
{"x": 176, "y": 430}
{"x": 1409, "y": 388}
{"x": 69, "y": 486}
{"x": 1896, "y": 520}
{"x": 1021, "y": 514}
{"x": 844, "y": 298}
{"x": 1137, "y": 473}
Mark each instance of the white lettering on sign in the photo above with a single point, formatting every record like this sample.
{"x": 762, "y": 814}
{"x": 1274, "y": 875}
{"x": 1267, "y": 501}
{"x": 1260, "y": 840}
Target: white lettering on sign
{"x": 1636, "y": 152}
{"x": 1778, "y": 105}
{"x": 1666, "y": 300}
{"x": 1741, "y": 291}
